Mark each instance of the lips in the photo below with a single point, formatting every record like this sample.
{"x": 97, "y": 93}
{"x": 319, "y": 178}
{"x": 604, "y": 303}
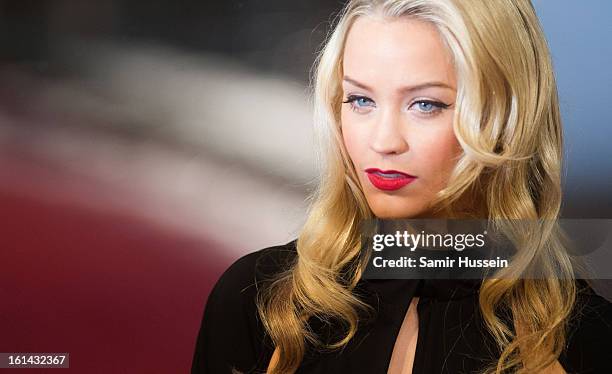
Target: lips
{"x": 388, "y": 180}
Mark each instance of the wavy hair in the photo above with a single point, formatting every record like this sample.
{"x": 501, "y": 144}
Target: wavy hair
{"x": 507, "y": 121}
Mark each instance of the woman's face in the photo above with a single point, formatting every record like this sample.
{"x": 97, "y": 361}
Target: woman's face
{"x": 397, "y": 114}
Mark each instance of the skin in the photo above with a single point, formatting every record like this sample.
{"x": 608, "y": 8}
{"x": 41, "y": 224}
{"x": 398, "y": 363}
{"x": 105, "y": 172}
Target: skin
{"x": 395, "y": 74}
{"x": 399, "y": 91}
{"x": 391, "y": 65}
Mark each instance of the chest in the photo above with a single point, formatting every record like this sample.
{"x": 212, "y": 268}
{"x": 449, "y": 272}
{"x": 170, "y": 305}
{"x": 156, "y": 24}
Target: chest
{"x": 402, "y": 357}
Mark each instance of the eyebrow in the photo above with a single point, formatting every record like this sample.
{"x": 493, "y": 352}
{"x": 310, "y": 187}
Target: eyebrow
{"x": 416, "y": 87}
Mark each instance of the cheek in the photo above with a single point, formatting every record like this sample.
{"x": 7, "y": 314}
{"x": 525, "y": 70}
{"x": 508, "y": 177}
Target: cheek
{"x": 437, "y": 153}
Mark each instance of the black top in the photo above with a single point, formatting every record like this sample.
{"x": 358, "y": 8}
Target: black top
{"x": 452, "y": 336}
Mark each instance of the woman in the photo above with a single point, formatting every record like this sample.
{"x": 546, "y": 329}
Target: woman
{"x": 425, "y": 108}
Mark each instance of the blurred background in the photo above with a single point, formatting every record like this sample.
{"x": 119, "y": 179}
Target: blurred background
{"x": 146, "y": 145}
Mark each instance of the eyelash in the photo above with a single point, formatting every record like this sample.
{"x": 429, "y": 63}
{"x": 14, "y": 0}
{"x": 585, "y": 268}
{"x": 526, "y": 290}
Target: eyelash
{"x": 438, "y": 106}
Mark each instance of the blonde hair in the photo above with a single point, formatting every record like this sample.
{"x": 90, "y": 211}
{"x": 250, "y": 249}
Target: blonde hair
{"x": 508, "y": 124}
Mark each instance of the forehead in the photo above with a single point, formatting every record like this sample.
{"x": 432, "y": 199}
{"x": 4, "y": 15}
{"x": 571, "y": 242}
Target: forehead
{"x": 396, "y": 52}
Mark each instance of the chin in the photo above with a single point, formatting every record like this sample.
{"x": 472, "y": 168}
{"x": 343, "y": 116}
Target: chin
{"x": 396, "y": 207}
{"x": 391, "y": 213}
{"x": 394, "y": 216}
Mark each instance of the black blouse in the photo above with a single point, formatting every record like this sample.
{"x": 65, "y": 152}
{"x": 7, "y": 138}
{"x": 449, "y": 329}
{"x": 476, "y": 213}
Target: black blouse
{"x": 452, "y": 336}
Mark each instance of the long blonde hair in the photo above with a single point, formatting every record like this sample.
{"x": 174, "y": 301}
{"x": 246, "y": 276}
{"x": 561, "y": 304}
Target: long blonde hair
{"x": 508, "y": 124}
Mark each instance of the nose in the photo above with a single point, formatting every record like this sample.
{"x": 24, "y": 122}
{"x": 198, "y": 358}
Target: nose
{"x": 386, "y": 137}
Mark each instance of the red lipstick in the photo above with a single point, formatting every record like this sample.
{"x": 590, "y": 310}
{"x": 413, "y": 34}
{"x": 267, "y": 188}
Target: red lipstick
{"x": 388, "y": 180}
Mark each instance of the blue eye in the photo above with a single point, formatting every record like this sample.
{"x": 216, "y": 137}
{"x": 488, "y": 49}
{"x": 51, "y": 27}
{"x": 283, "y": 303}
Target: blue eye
{"x": 362, "y": 101}
{"x": 425, "y": 106}
{"x": 358, "y": 102}
{"x": 429, "y": 107}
